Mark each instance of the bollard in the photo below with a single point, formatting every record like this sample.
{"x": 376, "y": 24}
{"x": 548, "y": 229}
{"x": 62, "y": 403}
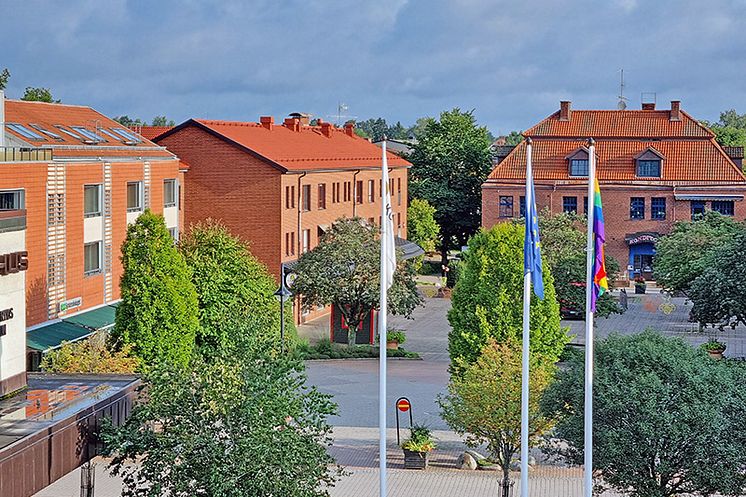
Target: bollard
{"x": 506, "y": 487}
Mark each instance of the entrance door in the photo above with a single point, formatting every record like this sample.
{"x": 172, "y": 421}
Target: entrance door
{"x": 643, "y": 264}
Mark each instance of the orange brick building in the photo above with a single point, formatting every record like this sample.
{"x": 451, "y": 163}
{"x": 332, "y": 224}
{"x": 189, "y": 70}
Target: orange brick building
{"x": 279, "y": 186}
{"x": 654, "y": 167}
{"x": 80, "y": 178}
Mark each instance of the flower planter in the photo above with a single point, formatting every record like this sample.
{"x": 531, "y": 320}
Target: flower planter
{"x": 640, "y": 289}
{"x": 716, "y": 354}
{"x": 392, "y": 345}
{"x": 416, "y": 460}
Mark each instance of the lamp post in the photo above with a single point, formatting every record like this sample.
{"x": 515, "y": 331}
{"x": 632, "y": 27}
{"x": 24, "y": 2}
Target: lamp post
{"x": 282, "y": 294}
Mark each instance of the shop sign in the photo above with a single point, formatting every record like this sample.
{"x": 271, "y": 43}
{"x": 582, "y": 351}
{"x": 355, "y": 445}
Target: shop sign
{"x": 13, "y": 262}
{"x": 5, "y": 315}
{"x": 71, "y": 304}
{"x": 644, "y": 238}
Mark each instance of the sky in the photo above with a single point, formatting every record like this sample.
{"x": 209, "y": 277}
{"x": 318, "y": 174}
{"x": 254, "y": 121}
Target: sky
{"x": 509, "y": 62}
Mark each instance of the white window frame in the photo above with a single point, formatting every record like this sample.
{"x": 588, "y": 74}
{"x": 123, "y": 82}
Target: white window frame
{"x": 140, "y": 199}
{"x": 100, "y": 189}
{"x": 91, "y": 272}
{"x": 174, "y": 202}
{"x": 21, "y": 196}
{"x": 174, "y": 232}
{"x": 306, "y": 244}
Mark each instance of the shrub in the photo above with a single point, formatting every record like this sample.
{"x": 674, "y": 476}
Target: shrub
{"x": 90, "y": 355}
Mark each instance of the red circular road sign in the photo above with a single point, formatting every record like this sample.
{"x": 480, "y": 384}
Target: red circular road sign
{"x": 403, "y": 405}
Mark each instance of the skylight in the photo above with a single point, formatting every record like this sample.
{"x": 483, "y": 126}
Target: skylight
{"x": 88, "y": 134}
{"x": 24, "y": 131}
{"x": 68, "y": 132}
{"x": 110, "y": 134}
{"x": 127, "y": 134}
{"x": 46, "y": 132}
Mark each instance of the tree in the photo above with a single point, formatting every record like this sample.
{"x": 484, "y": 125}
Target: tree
{"x": 231, "y": 426}
{"x": 417, "y": 130}
{"x": 375, "y": 129}
{"x": 90, "y": 355}
{"x": 667, "y": 419}
{"x": 158, "y": 312}
{"x": 126, "y": 121}
{"x": 344, "y": 270}
{"x": 486, "y": 302}
{"x": 485, "y": 403}
{"x": 450, "y": 162}
{"x": 730, "y": 130}
{"x": 39, "y": 95}
{"x": 421, "y": 226}
{"x": 162, "y": 121}
{"x": 514, "y": 138}
{"x": 684, "y": 254}
{"x": 4, "y": 77}
{"x": 231, "y": 284}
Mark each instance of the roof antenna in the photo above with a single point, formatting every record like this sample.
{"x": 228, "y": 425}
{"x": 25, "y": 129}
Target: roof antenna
{"x": 341, "y": 109}
{"x": 622, "y": 99}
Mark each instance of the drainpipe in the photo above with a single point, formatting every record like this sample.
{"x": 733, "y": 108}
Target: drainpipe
{"x": 674, "y": 204}
{"x": 354, "y": 193}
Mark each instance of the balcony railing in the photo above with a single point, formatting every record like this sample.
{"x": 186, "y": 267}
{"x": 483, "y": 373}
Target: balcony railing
{"x": 23, "y": 154}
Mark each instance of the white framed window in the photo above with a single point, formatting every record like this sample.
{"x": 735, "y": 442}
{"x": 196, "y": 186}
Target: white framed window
{"x": 169, "y": 193}
{"x": 11, "y": 200}
{"x": 306, "y": 241}
{"x": 92, "y": 258}
{"x": 91, "y": 200}
{"x": 134, "y": 196}
{"x": 174, "y": 232}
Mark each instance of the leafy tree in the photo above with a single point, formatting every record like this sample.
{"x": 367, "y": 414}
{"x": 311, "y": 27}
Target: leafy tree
{"x": 450, "y": 162}
{"x": 4, "y": 77}
{"x": 418, "y": 129}
{"x": 397, "y": 132}
{"x": 39, "y": 95}
{"x": 162, "y": 121}
{"x": 344, "y": 270}
{"x": 126, "y": 121}
{"x": 90, "y": 355}
{"x": 485, "y": 403}
{"x": 562, "y": 235}
{"x": 374, "y": 129}
{"x": 232, "y": 426}
{"x": 231, "y": 284}
{"x": 514, "y": 138}
{"x": 730, "y": 130}
{"x": 486, "y": 302}
{"x": 667, "y": 419}
{"x": 421, "y": 226}
{"x": 158, "y": 312}
{"x": 684, "y": 254}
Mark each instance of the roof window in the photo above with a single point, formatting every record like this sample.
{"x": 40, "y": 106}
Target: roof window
{"x": 110, "y": 134}
{"x": 69, "y": 133}
{"x": 24, "y": 131}
{"x": 50, "y": 134}
{"x": 88, "y": 134}
{"x": 128, "y": 135}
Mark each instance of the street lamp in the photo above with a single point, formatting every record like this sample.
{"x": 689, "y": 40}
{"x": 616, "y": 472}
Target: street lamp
{"x": 282, "y": 294}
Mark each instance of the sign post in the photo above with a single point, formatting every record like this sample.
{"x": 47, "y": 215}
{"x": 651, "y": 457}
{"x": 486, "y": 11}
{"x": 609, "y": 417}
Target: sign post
{"x": 402, "y": 405}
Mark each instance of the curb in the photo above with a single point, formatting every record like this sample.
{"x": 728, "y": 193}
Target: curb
{"x": 364, "y": 359}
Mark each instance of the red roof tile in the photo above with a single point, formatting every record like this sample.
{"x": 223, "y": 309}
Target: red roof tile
{"x": 151, "y": 132}
{"x": 306, "y": 148}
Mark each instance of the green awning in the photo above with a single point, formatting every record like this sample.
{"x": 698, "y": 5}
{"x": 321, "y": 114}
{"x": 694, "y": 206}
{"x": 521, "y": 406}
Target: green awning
{"x": 71, "y": 329}
{"x": 103, "y": 317}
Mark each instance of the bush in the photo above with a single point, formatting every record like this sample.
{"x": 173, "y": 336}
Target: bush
{"x": 90, "y": 355}
{"x": 325, "y": 349}
{"x": 395, "y": 335}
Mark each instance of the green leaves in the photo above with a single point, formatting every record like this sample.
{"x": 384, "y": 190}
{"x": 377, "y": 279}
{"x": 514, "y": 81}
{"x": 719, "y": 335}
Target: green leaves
{"x": 421, "y": 226}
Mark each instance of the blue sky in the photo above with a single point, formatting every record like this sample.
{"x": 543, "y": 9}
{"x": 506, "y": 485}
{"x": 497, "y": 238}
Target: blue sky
{"x": 512, "y": 62}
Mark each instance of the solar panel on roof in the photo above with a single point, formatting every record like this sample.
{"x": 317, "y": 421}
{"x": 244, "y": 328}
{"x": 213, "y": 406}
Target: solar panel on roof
{"x": 24, "y": 131}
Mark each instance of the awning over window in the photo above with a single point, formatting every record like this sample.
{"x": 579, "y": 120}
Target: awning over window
{"x": 409, "y": 249}
{"x": 71, "y": 329}
{"x": 714, "y": 196}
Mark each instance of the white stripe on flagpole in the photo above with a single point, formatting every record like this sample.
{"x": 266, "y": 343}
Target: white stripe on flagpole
{"x": 526, "y": 335}
{"x": 385, "y": 226}
{"x": 588, "y": 408}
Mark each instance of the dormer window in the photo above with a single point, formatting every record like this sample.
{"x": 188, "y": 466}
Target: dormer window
{"x": 578, "y": 162}
{"x": 649, "y": 163}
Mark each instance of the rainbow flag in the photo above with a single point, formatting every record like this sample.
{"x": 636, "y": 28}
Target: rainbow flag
{"x": 600, "y": 281}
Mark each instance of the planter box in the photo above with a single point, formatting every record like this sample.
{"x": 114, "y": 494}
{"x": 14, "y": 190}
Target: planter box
{"x": 716, "y": 354}
{"x": 392, "y": 345}
{"x": 416, "y": 460}
{"x": 639, "y": 289}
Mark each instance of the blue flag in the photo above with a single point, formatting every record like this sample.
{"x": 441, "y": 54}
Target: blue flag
{"x": 531, "y": 248}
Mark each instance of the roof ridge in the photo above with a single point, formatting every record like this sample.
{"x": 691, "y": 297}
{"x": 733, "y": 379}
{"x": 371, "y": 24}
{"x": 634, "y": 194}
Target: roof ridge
{"x": 36, "y": 102}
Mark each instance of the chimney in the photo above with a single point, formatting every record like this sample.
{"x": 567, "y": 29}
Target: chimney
{"x": 302, "y": 117}
{"x": 675, "y": 110}
{"x": 2, "y": 118}
{"x": 267, "y": 122}
{"x": 648, "y": 106}
{"x": 292, "y": 123}
{"x": 326, "y": 129}
{"x": 565, "y": 111}
{"x": 350, "y": 129}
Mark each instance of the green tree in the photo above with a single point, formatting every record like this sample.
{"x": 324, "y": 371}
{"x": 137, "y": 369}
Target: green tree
{"x": 667, "y": 419}
{"x": 126, "y": 121}
{"x": 374, "y": 128}
{"x": 90, "y": 355}
{"x": 162, "y": 121}
{"x": 230, "y": 426}
{"x": 231, "y": 284}
{"x": 397, "y": 132}
{"x": 450, "y": 162}
{"x": 158, "y": 312}
{"x": 344, "y": 270}
{"x": 39, "y": 95}
{"x": 417, "y": 130}
{"x": 514, "y": 138}
{"x": 485, "y": 403}
{"x": 487, "y": 303}
{"x": 730, "y": 130}
{"x": 685, "y": 253}
{"x": 4, "y": 77}
{"x": 421, "y": 226}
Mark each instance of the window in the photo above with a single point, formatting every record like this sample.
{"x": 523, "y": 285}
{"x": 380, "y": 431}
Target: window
{"x": 570, "y": 204}
{"x": 335, "y": 193}
{"x": 91, "y": 200}
{"x": 371, "y": 191}
{"x": 128, "y": 135}
{"x": 174, "y": 232}
{"x": 348, "y": 191}
{"x": 322, "y": 196}
{"x": 134, "y": 196}
{"x": 658, "y": 208}
{"x": 637, "y": 208}
{"x": 698, "y": 208}
{"x": 88, "y": 134}
{"x": 50, "y": 134}
{"x": 169, "y": 193}
{"x": 306, "y": 241}
{"x": 398, "y": 218}
{"x": 724, "y": 207}
{"x": 506, "y": 206}
{"x": 380, "y": 188}
{"x": 306, "y": 198}
{"x": 92, "y": 258}
{"x": 111, "y": 135}
{"x": 398, "y": 190}
{"x": 24, "y": 131}
{"x": 359, "y": 192}
{"x": 68, "y": 132}
{"x": 11, "y": 200}
{"x": 578, "y": 167}
{"x": 290, "y": 197}
{"x": 585, "y": 205}
{"x": 649, "y": 168}
{"x": 522, "y": 205}
{"x": 290, "y": 243}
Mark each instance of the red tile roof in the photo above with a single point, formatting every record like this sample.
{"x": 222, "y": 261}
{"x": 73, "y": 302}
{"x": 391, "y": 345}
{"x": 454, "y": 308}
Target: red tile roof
{"x": 301, "y": 149}
{"x": 152, "y": 132}
{"x": 690, "y": 152}
{"x": 47, "y": 116}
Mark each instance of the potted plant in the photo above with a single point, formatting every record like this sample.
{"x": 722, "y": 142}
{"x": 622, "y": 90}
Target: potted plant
{"x": 640, "y": 285}
{"x": 394, "y": 338}
{"x": 417, "y": 449}
{"x": 714, "y": 348}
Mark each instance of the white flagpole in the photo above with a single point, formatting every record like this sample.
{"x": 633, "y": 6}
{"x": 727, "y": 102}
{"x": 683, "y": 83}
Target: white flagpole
{"x": 385, "y": 226}
{"x": 588, "y": 408}
{"x": 526, "y": 336}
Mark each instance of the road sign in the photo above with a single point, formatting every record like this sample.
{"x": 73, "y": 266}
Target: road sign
{"x": 403, "y": 405}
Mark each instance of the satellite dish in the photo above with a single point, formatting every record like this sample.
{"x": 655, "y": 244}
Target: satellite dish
{"x": 622, "y": 105}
